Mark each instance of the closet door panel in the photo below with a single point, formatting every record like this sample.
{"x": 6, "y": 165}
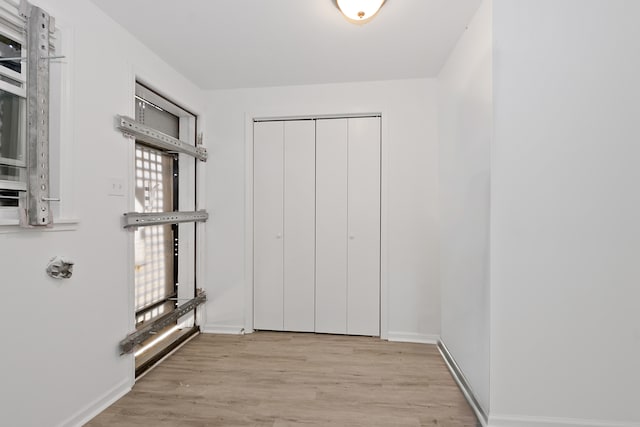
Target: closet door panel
{"x": 363, "y": 299}
{"x": 331, "y": 226}
{"x": 268, "y": 193}
{"x": 299, "y": 225}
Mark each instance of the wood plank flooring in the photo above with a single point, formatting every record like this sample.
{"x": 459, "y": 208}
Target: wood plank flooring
{"x": 286, "y": 379}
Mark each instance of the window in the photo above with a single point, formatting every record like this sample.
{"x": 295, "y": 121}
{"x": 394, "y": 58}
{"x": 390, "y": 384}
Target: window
{"x": 164, "y": 253}
{"x": 13, "y": 73}
{"x": 156, "y": 190}
{"x": 22, "y": 193}
{"x": 13, "y": 111}
{"x": 165, "y": 224}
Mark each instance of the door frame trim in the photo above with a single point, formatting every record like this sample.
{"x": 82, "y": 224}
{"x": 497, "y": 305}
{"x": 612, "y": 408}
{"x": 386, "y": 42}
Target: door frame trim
{"x": 250, "y": 118}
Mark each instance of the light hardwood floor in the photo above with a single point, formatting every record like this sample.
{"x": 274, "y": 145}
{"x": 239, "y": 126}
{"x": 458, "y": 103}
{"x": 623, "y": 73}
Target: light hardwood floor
{"x": 285, "y": 379}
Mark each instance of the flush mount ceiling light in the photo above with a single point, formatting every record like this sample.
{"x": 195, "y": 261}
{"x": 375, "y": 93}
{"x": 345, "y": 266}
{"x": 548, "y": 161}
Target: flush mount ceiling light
{"x": 359, "y": 11}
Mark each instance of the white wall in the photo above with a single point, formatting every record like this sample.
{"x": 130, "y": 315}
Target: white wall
{"x": 59, "y": 360}
{"x": 465, "y": 124}
{"x": 409, "y": 133}
{"x": 565, "y": 294}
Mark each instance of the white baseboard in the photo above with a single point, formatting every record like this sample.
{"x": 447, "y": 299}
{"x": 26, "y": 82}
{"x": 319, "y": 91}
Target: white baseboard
{"x": 464, "y": 386}
{"x": 413, "y": 337}
{"x": 527, "y": 421}
{"x": 98, "y": 405}
{"x": 222, "y": 329}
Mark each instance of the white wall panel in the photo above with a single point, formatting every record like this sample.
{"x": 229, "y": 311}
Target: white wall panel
{"x": 465, "y": 126}
{"x": 363, "y": 288}
{"x": 410, "y": 224}
{"x": 71, "y": 382}
{"x": 268, "y": 206}
{"x": 331, "y": 226}
{"x": 565, "y": 234}
{"x": 299, "y": 225}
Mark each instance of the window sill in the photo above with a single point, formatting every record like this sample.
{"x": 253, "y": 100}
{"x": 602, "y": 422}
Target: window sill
{"x": 62, "y": 224}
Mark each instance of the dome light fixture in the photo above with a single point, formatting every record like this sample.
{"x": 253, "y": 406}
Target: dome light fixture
{"x": 359, "y": 11}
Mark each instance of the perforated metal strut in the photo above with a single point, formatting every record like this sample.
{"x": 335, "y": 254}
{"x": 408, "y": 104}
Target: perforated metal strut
{"x": 136, "y": 219}
{"x": 157, "y": 139}
{"x": 38, "y": 209}
{"x": 128, "y": 344}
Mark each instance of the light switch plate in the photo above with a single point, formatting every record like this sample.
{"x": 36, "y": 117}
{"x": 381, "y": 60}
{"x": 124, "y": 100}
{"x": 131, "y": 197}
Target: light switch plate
{"x": 115, "y": 187}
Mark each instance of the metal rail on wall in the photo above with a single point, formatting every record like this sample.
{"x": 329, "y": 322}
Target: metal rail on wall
{"x": 38, "y": 24}
{"x": 136, "y": 338}
{"x": 157, "y": 139}
{"x": 136, "y": 219}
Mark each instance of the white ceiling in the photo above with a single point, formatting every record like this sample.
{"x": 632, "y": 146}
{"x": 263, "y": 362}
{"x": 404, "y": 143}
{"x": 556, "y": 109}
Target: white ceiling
{"x": 253, "y": 43}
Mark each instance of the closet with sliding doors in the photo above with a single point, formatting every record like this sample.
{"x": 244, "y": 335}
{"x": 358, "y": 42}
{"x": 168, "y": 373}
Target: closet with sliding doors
{"x": 316, "y": 222}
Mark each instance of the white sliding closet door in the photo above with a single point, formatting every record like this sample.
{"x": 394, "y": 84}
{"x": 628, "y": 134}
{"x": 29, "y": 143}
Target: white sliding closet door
{"x": 331, "y": 226}
{"x": 299, "y": 225}
{"x": 268, "y": 205}
{"x": 363, "y": 289}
